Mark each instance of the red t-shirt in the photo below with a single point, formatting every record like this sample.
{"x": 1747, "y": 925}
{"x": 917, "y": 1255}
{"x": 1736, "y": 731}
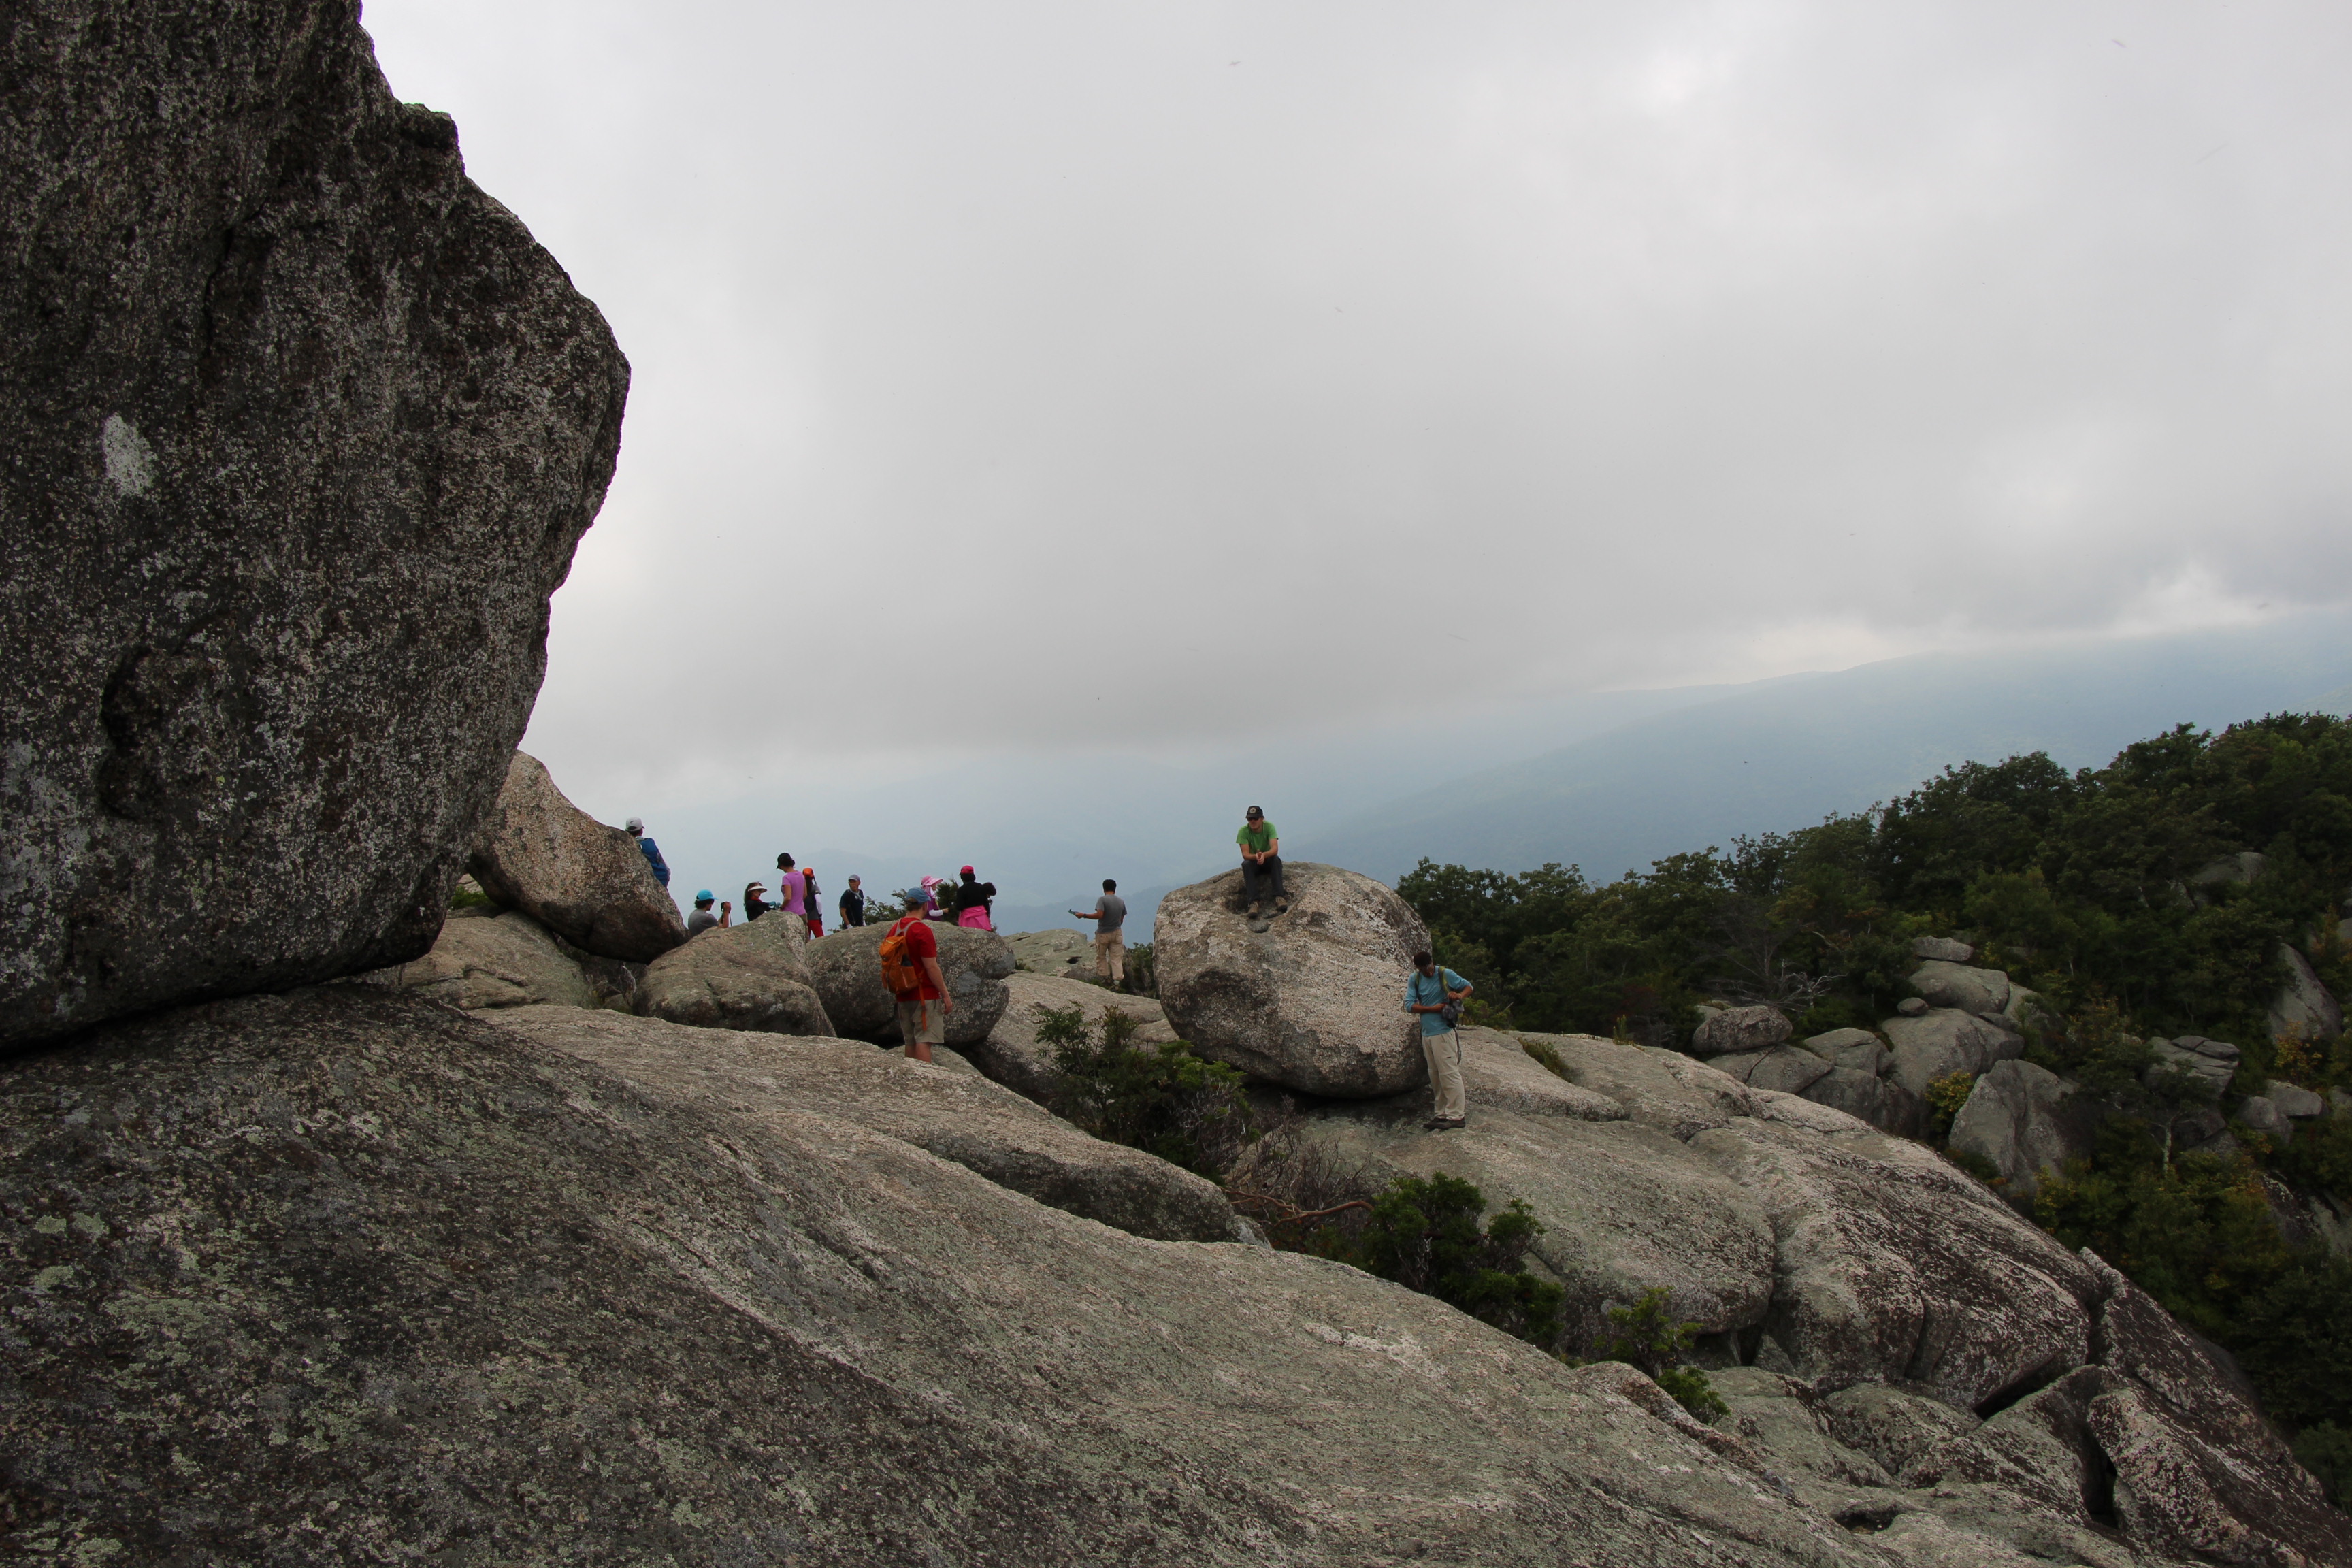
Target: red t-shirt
{"x": 921, "y": 945}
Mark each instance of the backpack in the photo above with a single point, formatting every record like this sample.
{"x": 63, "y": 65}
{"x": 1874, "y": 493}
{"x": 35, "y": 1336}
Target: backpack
{"x": 902, "y": 974}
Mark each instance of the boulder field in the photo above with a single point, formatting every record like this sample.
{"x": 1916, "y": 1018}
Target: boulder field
{"x": 458, "y": 1262}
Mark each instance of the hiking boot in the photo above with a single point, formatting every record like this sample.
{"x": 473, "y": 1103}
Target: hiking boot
{"x": 1253, "y": 912}
{"x": 1282, "y": 906}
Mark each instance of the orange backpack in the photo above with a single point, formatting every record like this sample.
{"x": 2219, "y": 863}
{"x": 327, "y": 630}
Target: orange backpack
{"x": 902, "y": 974}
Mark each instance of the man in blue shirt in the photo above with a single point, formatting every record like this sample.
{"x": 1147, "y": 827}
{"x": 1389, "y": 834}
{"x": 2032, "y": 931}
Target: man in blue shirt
{"x": 1429, "y": 992}
{"x": 637, "y": 826}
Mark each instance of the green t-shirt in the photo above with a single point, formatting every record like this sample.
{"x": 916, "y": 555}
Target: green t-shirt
{"x": 1258, "y": 838}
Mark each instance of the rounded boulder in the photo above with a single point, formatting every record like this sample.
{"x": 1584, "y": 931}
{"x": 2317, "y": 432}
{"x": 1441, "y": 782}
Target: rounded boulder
{"x": 750, "y": 976}
{"x": 846, "y": 969}
{"x": 586, "y": 882}
{"x": 1737, "y": 1029}
{"x": 1312, "y": 999}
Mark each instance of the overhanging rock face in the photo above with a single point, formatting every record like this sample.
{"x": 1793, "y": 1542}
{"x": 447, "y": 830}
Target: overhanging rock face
{"x": 303, "y": 429}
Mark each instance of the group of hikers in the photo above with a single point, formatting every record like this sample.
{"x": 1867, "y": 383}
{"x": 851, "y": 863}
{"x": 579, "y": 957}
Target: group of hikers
{"x": 909, "y": 951}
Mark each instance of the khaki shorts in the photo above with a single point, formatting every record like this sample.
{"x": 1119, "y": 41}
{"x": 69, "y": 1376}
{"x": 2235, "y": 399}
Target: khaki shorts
{"x": 922, "y": 1023}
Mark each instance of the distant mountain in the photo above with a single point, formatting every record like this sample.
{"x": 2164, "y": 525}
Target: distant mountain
{"x": 1786, "y": 753}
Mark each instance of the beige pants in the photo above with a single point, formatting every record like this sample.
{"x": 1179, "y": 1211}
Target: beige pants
{"x": 1110, "y": 957}
{"x": 1444, "y": 1054}
{"x": 922, "y": 1023}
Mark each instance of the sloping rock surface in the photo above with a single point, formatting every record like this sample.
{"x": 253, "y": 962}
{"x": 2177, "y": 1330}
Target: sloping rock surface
{"x": 494, "y": 961}
{"x": 846, "y": 967}
{"x": 1315, "y": 1001}
{"x": 752, "y": 976}
{"x": 957, "y": 1115}
{"x": 1061, "y": 953}
{"x": 1011, "y": 1053}
{"x": 1881, "y": 1102}
{"x": 2303, "y": 1006}
{"x": 1623, "y": 1206}
{"x": 343, "y": 1277}
{"x": 301, "y": 428}
{"x": 588, "y": 882}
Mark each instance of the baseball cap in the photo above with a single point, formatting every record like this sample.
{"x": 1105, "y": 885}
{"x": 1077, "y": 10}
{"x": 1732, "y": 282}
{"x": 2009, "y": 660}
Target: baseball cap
{"x": 705, "y": 896}
{"x": 636, "y": 824}
{"x": 968, "y": 871}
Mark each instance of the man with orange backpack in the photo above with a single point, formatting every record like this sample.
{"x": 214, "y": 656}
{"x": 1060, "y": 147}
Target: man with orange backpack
{"x": 910, "y": 968}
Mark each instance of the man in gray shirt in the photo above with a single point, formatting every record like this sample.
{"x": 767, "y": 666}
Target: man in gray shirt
{"x": 1109, "y": 914}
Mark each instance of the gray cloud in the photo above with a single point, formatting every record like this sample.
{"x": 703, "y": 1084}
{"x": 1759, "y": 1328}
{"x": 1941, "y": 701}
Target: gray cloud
{"x": 1425, "y": 353}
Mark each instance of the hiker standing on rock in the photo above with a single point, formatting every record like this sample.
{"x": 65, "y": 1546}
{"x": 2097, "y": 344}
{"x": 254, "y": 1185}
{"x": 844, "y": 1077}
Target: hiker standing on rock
{"x": 813, "y": 910}
{"x": 975, "y": 902}
{"x": 910, "y": 968}
{"x": 637, "y": 826}
{"x": 853, "y": 905}
{"x": 1109, "y": 914}
{"x": 1261, "y": 844}
{"x": 791, "y": 893}
{"x": 1436, "y": 995}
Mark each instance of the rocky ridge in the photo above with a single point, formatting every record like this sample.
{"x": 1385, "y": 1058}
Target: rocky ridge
{"x": 459, "y": 1267}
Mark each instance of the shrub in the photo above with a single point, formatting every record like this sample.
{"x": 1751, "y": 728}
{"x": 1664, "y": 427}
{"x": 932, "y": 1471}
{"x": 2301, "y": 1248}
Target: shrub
{"x": 468, "y": 895}
{"x": 1163, "y": 1099}
{"x": 1647, "y": 1337}
{"x": 1945, "y": 1096}
{"x": 1425, "y": 1234}
{"x": 2325, "y": 1450}
{"x": 1547, "y": 1054}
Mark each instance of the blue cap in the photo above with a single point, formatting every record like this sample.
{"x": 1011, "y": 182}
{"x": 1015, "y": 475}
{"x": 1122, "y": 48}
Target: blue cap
{"x": 705, "y": 896}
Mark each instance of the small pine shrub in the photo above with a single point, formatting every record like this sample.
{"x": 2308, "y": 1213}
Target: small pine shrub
{"x": 1547, "y": 1054}
{"x": 1425, "y": 1234}
{"x": 468, "y": 895}
{"x": 2325, "y": 1450}
{"x": 1162, "y": 1099}
{"x": 1649, "y": 1338}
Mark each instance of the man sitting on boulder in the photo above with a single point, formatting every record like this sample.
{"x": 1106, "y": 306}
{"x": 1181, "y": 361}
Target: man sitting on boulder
{"x": 1261, "y": 844}
{"x": 1430, "y": 991}
{"x": 636, "y": 826}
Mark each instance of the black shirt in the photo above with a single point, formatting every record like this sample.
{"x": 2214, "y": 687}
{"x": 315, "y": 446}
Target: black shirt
{"x": 853, "y": 908}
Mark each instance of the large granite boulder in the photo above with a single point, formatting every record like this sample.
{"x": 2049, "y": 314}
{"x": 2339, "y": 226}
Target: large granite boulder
{"x": 490, "y": 961}
{"x": 301, "y": 428}
{"x": 343, "y": 1277}
{"x": 1983, "y": 992}
{"x": 2029, "y": 1123}
{"x": 1892, "y": 1266}
{"x": 957, "y": 1115}
{"x": 750, "y": 976}
{"x": 1948, "y": 950}
{"x": 1943, "y": 1041}
{"x": 2208, "y": 1063}
{"x": 1857, "y": 1048}
{"x": 2303, "y": 1006}
{"x": 1011, "y": 1053}
{"x": 1786, "y": 1069}
{"x": 1313, "y": 999}
{"x": 846, "y": 967}
{"x": 590, "y": 883}
{"x": 1881, "y": 1102}
{"x": 1729, "y": 1031}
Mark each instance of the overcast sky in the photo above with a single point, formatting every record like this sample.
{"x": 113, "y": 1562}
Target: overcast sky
{"x": 1195, "y": 375}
